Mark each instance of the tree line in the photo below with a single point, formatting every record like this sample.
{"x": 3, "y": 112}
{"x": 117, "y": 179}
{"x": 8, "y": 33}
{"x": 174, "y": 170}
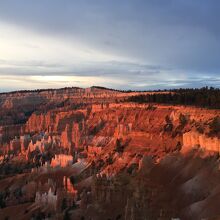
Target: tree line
{"x": 204, "y": 97}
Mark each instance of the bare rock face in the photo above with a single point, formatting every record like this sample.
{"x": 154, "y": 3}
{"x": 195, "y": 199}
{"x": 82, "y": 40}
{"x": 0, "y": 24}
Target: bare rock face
{"x": 66, "y": 138}
{"x": 194, "y": 139}
{"x": 61, "y": 160}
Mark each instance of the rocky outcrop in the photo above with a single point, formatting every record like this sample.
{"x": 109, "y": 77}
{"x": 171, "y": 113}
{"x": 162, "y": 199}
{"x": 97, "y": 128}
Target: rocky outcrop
{"x": 47, "y": 199}
{"x": 55, "y": 122}
{"x": 68, "y": 186}
{"x": 194, "y": 139}
{"x": 61, "y": 160}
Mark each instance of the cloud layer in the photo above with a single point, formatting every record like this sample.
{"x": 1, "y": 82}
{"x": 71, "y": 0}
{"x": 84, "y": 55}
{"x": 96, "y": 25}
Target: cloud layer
{"x": 121, "y": 44}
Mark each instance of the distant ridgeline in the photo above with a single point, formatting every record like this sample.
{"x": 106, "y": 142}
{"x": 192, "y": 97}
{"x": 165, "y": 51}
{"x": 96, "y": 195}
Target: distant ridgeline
{"x": 203, "y": 97}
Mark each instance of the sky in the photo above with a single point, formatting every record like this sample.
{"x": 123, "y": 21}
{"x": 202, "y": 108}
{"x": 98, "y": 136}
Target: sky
{"x": 126, "y": 44}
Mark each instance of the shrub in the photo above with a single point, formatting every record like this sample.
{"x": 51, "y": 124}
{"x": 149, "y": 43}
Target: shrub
{"x": 200, "y": 129}
{"x": 215, "y": 125}
{"x": 182, "y": 120}
{"x": 119, "y": 148}
{"x": 151, "y": 107}
{"x": 168, "y": 126}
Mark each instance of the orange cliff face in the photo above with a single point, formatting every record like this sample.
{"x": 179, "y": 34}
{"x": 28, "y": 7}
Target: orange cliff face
{"x": 139, "y": 129}
{"x": 195, "y": 139}
{"x": 61, "y": 160}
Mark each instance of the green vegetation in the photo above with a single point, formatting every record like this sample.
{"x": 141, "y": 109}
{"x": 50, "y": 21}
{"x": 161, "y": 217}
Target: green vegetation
{"x": 215, "y": 125}
{"x": 183, "y": 120}
{"x": 168, "y": 127}
{"x": 204, "y": 97}
{"x": 119, "y": 148}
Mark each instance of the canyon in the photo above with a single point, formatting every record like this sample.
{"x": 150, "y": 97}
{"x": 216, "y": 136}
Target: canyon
{"x": 76, "y": 153}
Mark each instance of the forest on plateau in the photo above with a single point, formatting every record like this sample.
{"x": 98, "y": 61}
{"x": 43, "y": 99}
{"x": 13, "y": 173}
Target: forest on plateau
{"x": 208, "y": 97}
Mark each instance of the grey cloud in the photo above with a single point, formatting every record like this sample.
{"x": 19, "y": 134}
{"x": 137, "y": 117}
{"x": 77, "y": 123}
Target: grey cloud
{"x": 159, "y": 36}
{"x": 83, "y": 69}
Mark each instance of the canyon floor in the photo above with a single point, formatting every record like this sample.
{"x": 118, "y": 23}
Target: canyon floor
{"x": 91, "y": 154}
